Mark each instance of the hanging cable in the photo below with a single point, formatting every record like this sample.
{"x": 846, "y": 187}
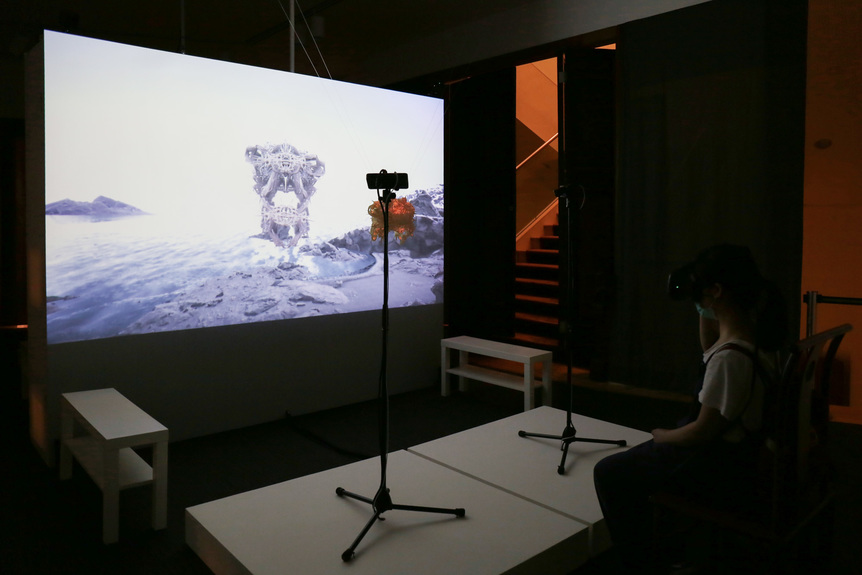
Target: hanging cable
{"x": 295, "y": 35}
{"x": 431, "y": 130}
{"x": 313, "y": 39}
{"x": 182, "y": 26}
{"x": 336, "y": 105}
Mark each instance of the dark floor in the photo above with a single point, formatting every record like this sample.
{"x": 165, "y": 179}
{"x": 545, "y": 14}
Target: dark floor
{"x": 56, "y": 527}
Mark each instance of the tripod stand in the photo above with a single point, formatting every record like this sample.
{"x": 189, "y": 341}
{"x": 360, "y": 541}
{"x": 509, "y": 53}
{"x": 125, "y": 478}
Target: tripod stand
{"x": 569, "y": 434}
{"x": 382, "y": 501}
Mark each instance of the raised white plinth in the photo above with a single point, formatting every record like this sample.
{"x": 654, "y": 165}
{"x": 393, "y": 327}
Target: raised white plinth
{"x": 111, "y": 425}
{"x": 302, "y": 526}
{"x": 527, "y": 467}
{"x": 528, "y": 356}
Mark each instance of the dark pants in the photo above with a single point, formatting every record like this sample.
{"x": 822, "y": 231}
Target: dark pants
{"x": 626, "y": 480}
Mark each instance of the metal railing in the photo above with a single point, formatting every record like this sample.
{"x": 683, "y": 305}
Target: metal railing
{"x": 813, "y": 299}
{"x": 537, "y": 150}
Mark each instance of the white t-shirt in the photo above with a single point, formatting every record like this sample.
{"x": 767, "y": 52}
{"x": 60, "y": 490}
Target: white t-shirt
{"x": 729, "y": 388}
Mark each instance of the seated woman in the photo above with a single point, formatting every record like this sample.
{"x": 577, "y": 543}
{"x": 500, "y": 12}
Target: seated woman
{"x": 712, "y": 453}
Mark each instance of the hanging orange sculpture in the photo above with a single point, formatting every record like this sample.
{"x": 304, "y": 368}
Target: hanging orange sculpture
{"x": 401, "y": 214}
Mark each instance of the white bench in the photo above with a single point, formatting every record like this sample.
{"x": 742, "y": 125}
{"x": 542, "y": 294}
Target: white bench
{"x": 112, "y": 425}
{"x": 525, "y": 355}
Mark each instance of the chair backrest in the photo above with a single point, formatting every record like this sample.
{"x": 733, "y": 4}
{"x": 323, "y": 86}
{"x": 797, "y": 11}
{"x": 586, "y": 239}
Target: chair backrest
{"x": 801, "y": 416}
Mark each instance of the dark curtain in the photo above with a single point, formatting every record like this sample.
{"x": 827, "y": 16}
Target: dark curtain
{"x": 480, "y": 206}
{"x": 13, "y": 269}
{"x": 587, "y": 147}
{"x": 711, "y": 136}
{"x": 13, "y": 274}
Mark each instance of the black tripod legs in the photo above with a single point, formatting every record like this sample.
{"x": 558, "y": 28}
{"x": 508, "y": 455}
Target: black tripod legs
{"x": 542, "y": 435}
{"x": 568, "y": 441}
{"x": 567, "y": 435}
{"x": 382, "y": 503}
{"x": 351, "y": 551}
{"x": 567, "y": 438}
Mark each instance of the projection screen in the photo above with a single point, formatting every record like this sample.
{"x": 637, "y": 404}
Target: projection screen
{"x": 185, "y": 193}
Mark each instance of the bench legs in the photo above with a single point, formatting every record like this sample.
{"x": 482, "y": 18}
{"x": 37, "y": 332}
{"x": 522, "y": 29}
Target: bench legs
{"x": 444, "y": 366}
{"x": 547, "y": 384}
{"x": 111, "y": 496}
{"x": 529, "y": 390}
{"x": 160, "y": 485}
{"x": 110, "y": 479}
{"x": 67, "y": 429}
{"x": 445, "y": 359}
{"x": 111, "y": 491}
{"x": 529, "y": 369}
{"x": 529, "y": 393}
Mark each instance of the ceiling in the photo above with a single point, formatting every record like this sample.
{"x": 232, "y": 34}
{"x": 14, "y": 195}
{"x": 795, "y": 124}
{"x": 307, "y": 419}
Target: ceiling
{"x": 346, "y": 33}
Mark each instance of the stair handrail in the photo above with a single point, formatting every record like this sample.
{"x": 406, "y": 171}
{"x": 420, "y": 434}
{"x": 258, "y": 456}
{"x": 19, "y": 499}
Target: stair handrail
{"x": 537, "y": 150}
{"x": 523, "y": 235}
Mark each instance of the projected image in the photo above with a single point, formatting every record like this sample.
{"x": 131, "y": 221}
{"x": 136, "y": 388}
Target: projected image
{"x": 184, "y": 193}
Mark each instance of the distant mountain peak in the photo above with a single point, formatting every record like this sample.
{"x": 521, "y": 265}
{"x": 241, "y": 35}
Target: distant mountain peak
{"x": 102, "y": 207}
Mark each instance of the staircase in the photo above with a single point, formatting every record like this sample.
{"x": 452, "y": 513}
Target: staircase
{"x": 537, "y": 290}
{"x": 537, "y": 244}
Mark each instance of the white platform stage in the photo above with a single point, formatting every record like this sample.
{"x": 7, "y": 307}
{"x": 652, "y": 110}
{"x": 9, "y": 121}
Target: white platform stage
{"x": 527, "y": 467}
{"x": 521, "y": 516}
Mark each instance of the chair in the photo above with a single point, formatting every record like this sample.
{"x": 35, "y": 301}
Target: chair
{"x": 796, "y": 479}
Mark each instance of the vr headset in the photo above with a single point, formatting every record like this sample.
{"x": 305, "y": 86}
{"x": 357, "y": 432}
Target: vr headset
{"x": 683, "y": 284}
{"x": 734, "y": 264}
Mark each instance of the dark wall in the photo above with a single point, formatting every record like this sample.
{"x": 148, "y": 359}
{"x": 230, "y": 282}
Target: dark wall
{"x": 204, "y": 381}
{"x": 587, "y": 139}
{"x": 13, "y": 277}
{"x": 711, "y": 150}
{"x": 480, "y": 206}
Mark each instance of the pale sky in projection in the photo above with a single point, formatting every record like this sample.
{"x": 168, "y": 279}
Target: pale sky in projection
{"x": 167, "y": 132}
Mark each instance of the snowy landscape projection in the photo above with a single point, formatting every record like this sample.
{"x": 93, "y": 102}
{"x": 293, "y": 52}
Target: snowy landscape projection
{"x": 159, "y": 216}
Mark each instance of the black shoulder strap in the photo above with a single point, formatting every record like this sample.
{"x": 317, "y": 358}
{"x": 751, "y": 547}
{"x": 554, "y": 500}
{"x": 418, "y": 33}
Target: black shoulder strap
{"x": 752, "y": 355}
{"x": 735, "y": 347}
{"x": 757, "y": 369}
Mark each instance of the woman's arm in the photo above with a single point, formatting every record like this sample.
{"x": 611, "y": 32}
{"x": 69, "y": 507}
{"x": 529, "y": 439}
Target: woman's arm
{"x": 708, "y": 425}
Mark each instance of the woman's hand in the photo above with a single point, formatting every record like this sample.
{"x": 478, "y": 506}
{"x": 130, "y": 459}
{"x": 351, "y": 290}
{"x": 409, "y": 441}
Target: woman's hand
{"x": 708, "y": 425}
